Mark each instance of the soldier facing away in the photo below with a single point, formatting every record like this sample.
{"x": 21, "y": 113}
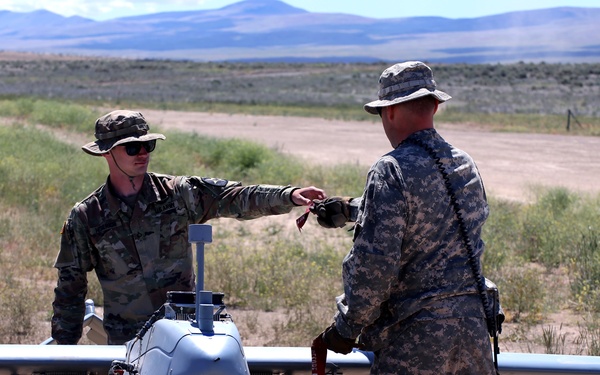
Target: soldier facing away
{"x": 412, "y": 278}
{"x": 133, "y": 230}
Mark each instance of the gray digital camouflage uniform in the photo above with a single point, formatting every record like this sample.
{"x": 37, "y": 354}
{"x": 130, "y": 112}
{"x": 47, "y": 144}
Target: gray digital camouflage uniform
{"x": 139, "y": 254}
{"x": 408, "y": 288}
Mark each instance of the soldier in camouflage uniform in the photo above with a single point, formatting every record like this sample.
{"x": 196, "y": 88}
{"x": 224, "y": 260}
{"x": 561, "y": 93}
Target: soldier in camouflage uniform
{"x": 133, "y": 230}
{"x": 410, "y": 294}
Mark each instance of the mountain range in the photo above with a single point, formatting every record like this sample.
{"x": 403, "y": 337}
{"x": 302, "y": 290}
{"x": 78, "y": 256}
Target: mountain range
{"x": 271, "y": 30}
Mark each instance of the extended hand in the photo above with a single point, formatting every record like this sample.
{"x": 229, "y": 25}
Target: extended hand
{"x": 332, "y": 212}
{"x": 305, "y": 196}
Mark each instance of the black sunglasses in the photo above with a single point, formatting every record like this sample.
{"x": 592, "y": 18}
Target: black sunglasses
{"x": 134, "y": 148}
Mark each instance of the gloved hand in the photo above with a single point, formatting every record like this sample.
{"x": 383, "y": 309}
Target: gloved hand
{"x": 334, "y": 341}
{"x": 332, "y": 212}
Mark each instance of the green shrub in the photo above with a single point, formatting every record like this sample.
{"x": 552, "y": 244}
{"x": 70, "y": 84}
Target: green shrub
{"x": 585, "y": 268}
{"x": 52, "y": 113}
{"x": 279, "y": 274}
{"x": 42, "y": 174}
{"x": 500, "y": 232}
{"x": 549, "y": 227}
{"x": 522, "y": 293}
{"x": 589, "y": 335}
{"x": 58, "y": 114}
{"x": 231, "y": 159}
{"x": 17, "y": 107}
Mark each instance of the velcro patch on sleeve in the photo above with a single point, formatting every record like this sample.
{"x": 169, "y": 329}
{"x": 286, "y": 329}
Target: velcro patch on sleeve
{"x": 214, "y": 181}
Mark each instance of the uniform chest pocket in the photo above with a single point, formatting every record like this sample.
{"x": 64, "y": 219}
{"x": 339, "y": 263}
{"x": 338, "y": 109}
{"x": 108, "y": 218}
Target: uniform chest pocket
{"x": 173, "y": 229}
{"x": 115, "y": 260}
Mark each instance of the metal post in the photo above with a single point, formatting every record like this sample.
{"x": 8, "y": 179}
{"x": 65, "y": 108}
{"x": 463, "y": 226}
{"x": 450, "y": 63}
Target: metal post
{"x": 200, "y": 234}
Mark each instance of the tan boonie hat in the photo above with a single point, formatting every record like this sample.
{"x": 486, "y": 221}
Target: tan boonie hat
{"x": 403, "y": 82}
{"x": 119, "y": 127}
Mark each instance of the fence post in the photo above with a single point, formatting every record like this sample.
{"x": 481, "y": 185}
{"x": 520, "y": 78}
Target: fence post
{"x": 569, "y": 115}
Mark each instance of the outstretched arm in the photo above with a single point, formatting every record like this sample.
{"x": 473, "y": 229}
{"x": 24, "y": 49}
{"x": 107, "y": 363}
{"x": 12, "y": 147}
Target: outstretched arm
{"x": 305, "y": 196}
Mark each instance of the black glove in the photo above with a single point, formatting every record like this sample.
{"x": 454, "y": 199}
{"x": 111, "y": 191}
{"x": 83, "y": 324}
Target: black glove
{"x": 332, "y": 212}
{"x": 335, "y": 342}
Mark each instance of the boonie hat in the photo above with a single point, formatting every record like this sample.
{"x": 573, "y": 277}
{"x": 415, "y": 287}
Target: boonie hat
{"x": 403, "y": 82}
{"x": 119, "y": 127}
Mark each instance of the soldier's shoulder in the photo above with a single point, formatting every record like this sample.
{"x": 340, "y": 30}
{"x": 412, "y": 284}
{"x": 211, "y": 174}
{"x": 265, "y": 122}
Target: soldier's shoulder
{"x": 161, "y": 176}
{"x": 162, "y": 180}
{"x": 91, "y": 199}
{"x": 387, "y": 164}
{"x": 205, "y": 181}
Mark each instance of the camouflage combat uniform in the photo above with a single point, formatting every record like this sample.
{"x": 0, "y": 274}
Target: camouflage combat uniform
{"x": 140, "y": 253}
{"x": 408, "y": 288}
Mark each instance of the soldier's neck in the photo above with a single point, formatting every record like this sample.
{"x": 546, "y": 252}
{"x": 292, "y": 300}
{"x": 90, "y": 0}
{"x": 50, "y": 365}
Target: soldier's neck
{"x": 124, "y": 187}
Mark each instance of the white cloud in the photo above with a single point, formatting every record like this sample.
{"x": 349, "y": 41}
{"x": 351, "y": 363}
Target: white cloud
{"x": 63, "y": 7}
{"x": 102, "y": 9}
{"x": 18, "y": 5}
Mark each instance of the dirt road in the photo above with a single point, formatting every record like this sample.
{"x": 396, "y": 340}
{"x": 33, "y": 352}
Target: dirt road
{"x": 510, "y": 164}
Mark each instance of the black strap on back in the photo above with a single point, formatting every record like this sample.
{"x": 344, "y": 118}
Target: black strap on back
{"x": 492, "y": 323}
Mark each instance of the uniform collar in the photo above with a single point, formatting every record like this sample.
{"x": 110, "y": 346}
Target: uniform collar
{"x": 148, "y": 194}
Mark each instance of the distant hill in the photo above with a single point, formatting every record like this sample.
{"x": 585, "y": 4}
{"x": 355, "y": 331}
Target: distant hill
{"x": 271, "y": 30}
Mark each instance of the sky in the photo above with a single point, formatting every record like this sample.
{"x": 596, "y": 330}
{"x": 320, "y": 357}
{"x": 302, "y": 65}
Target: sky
{"x": 108, "y": 9}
